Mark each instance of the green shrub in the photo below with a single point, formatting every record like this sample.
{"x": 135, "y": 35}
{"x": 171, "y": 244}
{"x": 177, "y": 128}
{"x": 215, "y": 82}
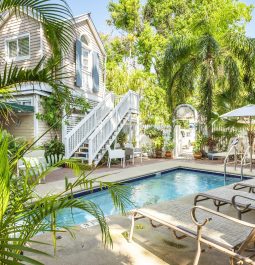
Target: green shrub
{"x": 54, "y": 148}
{"x": 170, "y": 145}
{"x": 14, "y": 144}
{"x": 153, "y": 132}
{"x": 122, "y": 139}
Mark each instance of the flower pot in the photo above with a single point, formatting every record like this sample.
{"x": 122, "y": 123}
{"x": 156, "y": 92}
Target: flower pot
{"x": 158, "y": 154}
{"x": 169, "y": 154}
{"x": 197, "y": 155}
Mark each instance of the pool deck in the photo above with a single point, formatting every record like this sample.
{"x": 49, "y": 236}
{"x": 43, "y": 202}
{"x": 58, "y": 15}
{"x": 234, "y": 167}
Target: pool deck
{"x": 150, "y": 246}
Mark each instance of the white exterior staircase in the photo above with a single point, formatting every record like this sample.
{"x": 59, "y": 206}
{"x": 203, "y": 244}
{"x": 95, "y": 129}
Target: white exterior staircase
{"x": 98, "y": 130}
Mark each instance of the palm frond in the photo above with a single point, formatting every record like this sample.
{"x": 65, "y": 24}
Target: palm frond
{"x": 53, "y": 14}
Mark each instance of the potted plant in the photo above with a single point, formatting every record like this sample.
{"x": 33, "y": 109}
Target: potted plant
{"x": 197, "y": 147}
{"x": 134, "y": 142}
{"x": 122, "y": 139}
{"x": 169, "y": 149}
{"x": 54, "y": 148}
{"x": 158, "y": 143}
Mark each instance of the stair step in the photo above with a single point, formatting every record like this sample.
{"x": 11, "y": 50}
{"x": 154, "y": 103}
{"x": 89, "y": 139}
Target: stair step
{"x": 80, "y": 158}
{"x": 81, "y": 154}
{"x": 83, "y": 148}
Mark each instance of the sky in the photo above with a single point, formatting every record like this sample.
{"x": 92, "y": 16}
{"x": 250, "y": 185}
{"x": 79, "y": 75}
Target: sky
{"x": 99, "y": 13}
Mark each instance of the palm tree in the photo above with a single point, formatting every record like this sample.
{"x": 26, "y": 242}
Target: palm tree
{"x": 244, "y": 49}
{"x": 201, "y": 63}
{"x": 23, "y": 212}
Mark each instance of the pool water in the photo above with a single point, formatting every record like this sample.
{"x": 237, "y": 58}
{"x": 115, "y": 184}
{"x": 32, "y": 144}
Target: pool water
{"x": 157, "y": 188}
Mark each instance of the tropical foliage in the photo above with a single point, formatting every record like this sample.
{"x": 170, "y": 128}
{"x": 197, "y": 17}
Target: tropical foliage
{"x": 196, "y": 52}
{"x": 55, "y": 16}
{"x": 23, "y": 211}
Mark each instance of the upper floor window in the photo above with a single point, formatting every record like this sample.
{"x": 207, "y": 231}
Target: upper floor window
{"x": 85, "y": 59}
{"x": 85, "y": 40}
{"x": 18, "y": 48}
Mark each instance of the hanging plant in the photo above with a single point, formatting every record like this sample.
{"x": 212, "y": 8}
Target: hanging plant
{"x": 59, "y": 102}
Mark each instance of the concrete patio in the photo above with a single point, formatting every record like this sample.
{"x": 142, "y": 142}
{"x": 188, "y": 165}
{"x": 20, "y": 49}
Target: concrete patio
{"x": 150, "y": 246}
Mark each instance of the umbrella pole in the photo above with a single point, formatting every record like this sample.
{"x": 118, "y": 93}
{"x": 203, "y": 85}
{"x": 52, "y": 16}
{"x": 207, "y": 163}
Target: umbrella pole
{"x": 250, "y": 147}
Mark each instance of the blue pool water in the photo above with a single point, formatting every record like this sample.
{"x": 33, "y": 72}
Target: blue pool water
{"x": 158, "y": 188}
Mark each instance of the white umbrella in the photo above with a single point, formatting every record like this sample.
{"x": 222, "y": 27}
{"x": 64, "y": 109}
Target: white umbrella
{"x": 246, "y": 112}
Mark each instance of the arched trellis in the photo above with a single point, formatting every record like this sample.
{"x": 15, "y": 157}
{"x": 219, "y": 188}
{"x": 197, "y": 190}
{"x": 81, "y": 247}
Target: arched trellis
{"x": 186, "y": 112}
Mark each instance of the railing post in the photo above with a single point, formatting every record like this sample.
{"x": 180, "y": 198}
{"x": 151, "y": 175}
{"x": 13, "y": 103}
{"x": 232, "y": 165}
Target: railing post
{"x": 90, "y": 160}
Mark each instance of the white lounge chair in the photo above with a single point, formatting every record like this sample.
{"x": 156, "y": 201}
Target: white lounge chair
{"x": 216, "y": 230}
{"x": 116, "y": 154}
{"x": 242, "y": 201}
{"x": 230, "y": 151}
{"x": 250, "y": 184}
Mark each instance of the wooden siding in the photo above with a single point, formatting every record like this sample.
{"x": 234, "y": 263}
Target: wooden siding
{"x": 21, "y": 125}
{"x": 69, "y": 61}
{"x": 15, "y": 26}
{"x": 43, "y": 127}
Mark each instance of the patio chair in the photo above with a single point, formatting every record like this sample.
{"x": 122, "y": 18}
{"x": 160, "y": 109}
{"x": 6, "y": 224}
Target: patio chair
{"x": 232, "y": 141}
{"x": 129, "y": 154}
{"x": 250, "y": 184}
{"x": 216, "y": 230}
{"x": 116, "y": 154}
{"x": 132, "y": 153}
{"x": 36, "y": 165}
{"x": 242, "y": 201}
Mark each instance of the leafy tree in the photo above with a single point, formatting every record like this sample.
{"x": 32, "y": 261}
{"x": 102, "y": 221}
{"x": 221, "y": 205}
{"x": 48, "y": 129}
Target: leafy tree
{"x": 203, "y": 63}
{"x": 158, "y": 24}
{"x": 125, "y": 15}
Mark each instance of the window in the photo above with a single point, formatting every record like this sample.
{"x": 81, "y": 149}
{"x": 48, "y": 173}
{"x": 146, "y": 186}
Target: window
{"x": 18, "y": 48}
{"x": 85, "y": 59}
{"x": 85, "y": 39}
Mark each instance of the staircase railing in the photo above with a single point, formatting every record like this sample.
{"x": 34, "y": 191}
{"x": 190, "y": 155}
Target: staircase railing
{"x": 79, "y": 134}
{"x": 129, "y": 103}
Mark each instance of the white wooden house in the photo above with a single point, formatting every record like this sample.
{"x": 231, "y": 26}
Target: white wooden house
{"x": 23, "y": 43}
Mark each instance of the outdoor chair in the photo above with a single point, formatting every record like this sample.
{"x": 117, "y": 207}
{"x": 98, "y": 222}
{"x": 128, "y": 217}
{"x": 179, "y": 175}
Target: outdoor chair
{"x": 116, "y": 154}
{"x": 250, "y": 184}
{"x": 129, "y": 154}
{"x": 216, "y": 230}
{"x": 36, "y": 165}
{"x": 242, "y": 201}
{"x": 223, "y": 155}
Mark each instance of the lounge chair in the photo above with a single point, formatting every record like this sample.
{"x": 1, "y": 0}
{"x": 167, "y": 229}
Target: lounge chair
{"x": 242, "y": 201}
{"x": 221, "y": 232}
{"x": 250, "y": 184}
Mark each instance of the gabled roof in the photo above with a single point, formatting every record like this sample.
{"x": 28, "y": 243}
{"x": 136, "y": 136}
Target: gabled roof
{"x": 78, "y": 19}
{"x": 87, "y": 17}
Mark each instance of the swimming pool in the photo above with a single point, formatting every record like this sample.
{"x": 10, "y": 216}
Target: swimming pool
{"x": 151, "y": 189}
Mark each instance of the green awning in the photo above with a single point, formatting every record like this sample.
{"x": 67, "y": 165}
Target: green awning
{"x": 16, "y": 107}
